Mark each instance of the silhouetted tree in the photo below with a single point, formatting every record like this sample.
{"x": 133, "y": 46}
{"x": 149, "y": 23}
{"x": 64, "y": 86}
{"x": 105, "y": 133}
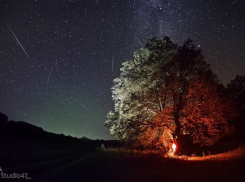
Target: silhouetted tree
{"x": 158, "y": 93}
{"x": 237, "y": 90}
{"x": 3, "y": 117}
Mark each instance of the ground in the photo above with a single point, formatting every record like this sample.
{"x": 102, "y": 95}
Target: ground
{"x": 120, "y": 165}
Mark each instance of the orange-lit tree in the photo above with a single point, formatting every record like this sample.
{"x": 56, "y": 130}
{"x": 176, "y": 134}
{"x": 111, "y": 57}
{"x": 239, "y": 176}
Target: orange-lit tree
{"x": 155, "y": 101}
{"x": 206, "y": 112}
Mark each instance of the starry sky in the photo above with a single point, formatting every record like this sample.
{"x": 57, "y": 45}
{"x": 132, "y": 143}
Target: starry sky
{"x": 58, "y": 58}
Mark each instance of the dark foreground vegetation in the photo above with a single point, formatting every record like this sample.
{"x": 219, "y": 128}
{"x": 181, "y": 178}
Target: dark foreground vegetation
{"x": 137, "y": 167}
{"x": 22, "y": 143}
{"x": 133, "y": 166}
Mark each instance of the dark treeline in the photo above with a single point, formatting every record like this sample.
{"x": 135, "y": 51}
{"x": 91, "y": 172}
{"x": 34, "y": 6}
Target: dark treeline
{"x": 22, "y": 143}
{"x": 237, "y": 90}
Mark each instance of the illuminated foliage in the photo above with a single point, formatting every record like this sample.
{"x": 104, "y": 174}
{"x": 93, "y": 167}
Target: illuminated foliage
{"x": 156, "y": 93}
{"x": 207, "y": 113}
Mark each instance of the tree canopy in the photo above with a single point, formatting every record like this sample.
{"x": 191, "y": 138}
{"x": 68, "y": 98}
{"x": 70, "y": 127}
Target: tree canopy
{"x": 167, "y": 91}
{"x": 237, "y": 90}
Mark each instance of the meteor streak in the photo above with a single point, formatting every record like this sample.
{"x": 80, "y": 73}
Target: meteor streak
{"x": 139, "y": 41}
{"x": 112, "y": 60}
{"x": 233, "y": 2}
{"x": 17, "y": 40}
{"x": 50, "y": 73}
{"x": 56, "y": 63}
{"x": 82, "y": 105}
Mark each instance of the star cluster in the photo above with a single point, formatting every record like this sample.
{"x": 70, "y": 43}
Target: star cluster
{"x": 58, "y": 58}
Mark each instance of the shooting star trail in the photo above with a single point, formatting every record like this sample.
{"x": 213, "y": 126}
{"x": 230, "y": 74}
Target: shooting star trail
{"x": 233, "y": 2}
{"x": 82, "y": 105}
{"x": 17, "y": 40}
{"x": 50, "y": 73}
{"x": 69, "y": 111}
{"x": 139, "y": 41}
{"x": 112, "y": 60}
{"x": 56, "y": 63}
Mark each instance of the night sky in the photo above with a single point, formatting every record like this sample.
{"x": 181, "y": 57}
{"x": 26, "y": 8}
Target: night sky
{"x": 58, "y": 58}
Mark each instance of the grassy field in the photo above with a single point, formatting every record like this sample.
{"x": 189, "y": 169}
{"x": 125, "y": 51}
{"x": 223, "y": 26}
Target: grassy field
{"x": 124, "y": 165}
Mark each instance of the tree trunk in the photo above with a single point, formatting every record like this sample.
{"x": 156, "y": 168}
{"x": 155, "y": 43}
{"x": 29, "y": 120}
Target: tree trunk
{"x": 177, "y": 131}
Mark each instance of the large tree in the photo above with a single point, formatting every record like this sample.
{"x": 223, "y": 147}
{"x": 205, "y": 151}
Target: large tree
{"x": 165, "y": 92}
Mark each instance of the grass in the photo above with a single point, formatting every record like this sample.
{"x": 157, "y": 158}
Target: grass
{"x": 237, "y": 154}
{"x": 128, "y": 165}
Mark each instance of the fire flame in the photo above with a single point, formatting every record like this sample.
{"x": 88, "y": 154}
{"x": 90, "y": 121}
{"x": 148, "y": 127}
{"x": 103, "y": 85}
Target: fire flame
{"x": 174, "y": 147}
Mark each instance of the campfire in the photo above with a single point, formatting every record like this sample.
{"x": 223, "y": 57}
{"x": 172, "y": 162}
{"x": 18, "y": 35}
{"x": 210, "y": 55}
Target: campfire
{"x": 173, "y": 148}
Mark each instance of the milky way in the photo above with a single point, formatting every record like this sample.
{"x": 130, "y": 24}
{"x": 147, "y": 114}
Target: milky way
{"x": 58, "y": 73}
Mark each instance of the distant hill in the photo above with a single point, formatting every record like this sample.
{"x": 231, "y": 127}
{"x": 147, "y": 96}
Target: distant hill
{"x": 27, "y": 131}
{"x": 23, "y": 143}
